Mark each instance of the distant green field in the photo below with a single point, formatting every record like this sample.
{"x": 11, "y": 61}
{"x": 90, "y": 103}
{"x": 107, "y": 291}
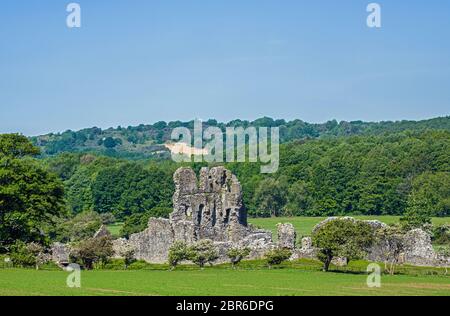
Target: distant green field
{"x": 303, "y": 225}
{"x": 212, "y": 281}
{"x": 114, "y": 229}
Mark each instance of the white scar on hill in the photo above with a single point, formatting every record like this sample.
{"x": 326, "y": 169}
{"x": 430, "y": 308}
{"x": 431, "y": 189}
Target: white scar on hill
{"x": 185, "y": 149}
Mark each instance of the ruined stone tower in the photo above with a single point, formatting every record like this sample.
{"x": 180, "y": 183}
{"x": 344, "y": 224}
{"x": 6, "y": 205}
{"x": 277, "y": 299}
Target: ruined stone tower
{"x": 208, "y": 207}
{"x": 212, "y": 204}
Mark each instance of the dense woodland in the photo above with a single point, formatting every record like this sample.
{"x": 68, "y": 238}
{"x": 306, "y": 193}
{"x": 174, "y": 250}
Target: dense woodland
{"x": 382, "y": 170}
{"x": 145, "y": 141}
{"x": 370, "y": 175}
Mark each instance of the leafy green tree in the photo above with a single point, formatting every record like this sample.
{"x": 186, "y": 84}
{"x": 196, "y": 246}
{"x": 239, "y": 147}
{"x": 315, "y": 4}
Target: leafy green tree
{"x": 431, "y": 194}
{"x": 107, "y": 218}
{"x": 415, "y": 218}
{"x": 21, "y": 256}
{"x": 393, "y": 239}
{"x": 277, "y": 256}
{"x": 343, "y": 238}
{"x": 78, "y": 228}
{"x": 92, "y": 251}
{"x": 17, "y": 146}
{"x": 299, "y": 200}
{"x": 64, "y": 165}
{"x": 203, "y": 252}
{"x": 134, "y": 223}
{"x": 237, "y": 254}
{"x": 441, "y": 234}
{"x": 270, "y": 197}
{"x": 30, "y": 196}
{"x": 110, "y": 142}
{"x": 178, "y": 252}
{"x": 129, "y": 257}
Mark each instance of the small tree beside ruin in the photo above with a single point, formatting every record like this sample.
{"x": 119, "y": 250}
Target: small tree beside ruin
{"x": 344, "y": 238}
{"x": 92, "y": 251}
{"x": 392, "y": 241}
{"x": 277, "y": 256}
{"x": 203, "y": 252}
{"x": 443, "y": 253}
{"x": 28, "y": 255}
{"x": 128, "y": 255}
{"x": 178, "y": 252}
{"x": 237, "y": 254}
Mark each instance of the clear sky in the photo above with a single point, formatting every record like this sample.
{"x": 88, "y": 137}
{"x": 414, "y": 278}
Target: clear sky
{"x": 141, "y": 61}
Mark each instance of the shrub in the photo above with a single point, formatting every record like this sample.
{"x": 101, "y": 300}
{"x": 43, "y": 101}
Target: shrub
{"x": 415, "y": 218}
{"x": 107, "y": 218}
{"x": 81, "y": 227}
{"x": 28, "y": 255}
{"x": 129, "y": 258}
{"x": 443, "y": 255}
{"x": 93, "y": 250}
{"x": 236, "y": 255}
{"x": 203, "y": 252}
{"x": 344, "y": 238}
{"x": 394, "y": 239}
{"x": 277, "y": 256}
{"x": 178, "y": 252}
{"x": 139, "y": 265}
{"x": 441, "y": 235}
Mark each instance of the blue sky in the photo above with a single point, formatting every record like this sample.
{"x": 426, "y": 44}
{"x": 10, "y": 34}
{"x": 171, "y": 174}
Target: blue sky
{"x": 142, "y": 61}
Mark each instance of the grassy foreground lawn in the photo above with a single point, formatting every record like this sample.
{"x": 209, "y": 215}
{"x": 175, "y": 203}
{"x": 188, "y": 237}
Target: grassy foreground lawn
{"x": 213, "y": 281}
{"x": 304, "y": 225}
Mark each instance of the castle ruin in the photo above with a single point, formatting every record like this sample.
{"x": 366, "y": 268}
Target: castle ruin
{"x": 208, "y": 207}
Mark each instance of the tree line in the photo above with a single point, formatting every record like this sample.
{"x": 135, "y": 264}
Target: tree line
{"x": 359, "y": 175}
{"x": 146, "y": 140}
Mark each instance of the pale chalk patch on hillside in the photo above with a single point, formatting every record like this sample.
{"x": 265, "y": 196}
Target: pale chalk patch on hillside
{"x": 185, "y": 149}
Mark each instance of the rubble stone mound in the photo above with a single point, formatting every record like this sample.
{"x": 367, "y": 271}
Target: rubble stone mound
{"x": 286, "y": 236}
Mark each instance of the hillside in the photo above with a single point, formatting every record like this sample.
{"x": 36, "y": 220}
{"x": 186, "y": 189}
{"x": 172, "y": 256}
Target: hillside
{"x": 146, "y": 141}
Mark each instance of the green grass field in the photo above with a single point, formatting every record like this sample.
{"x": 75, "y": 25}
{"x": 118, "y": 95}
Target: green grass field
{"x": 253, "y": 278}
{"x": 214, "y": 281}
{"x": 114, "y": 229}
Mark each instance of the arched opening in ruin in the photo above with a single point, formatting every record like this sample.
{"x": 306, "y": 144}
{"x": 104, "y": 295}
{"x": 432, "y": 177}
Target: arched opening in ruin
{"x": 188, "y": 212}
{"x": 214, "y": 215}
{"x": 227, "y": 216}
{"x": 200, "y": 213}
{"x": 210, "y": 183}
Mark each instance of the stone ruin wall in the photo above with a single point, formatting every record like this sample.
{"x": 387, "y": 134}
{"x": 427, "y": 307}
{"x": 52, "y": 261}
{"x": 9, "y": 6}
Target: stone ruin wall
{"x": 418, "y": 249}
{"x": 211, "y": 207}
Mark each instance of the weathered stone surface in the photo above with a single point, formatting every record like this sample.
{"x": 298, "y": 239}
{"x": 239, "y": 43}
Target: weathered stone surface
{"x": 121, "y": 246}
{"x": 102, "y": 232}
{"x": 286, "y": 236}
{"x": 211, "y": 208}
{"x": 153, "y": 244}
{"x": 306, "y": 251}
{"x": 418, "y": 248}
{"x": 60, "y": 253}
